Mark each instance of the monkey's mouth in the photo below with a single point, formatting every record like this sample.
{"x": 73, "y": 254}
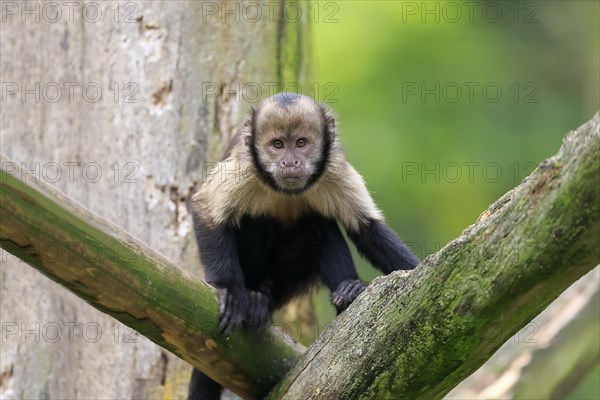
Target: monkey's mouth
{"x": 292, "y": 174}
{"x": 291, "y": 179}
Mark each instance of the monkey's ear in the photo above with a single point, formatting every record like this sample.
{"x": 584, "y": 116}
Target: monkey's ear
{"x": 249, "y": 122}
{"x": 249, "y": 125}
{"x": 329, "y": 118}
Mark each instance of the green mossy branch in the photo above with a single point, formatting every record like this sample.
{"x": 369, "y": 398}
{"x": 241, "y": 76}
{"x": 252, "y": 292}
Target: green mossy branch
{"x": 122, "y": 277}
{"x": 417, "y": 335}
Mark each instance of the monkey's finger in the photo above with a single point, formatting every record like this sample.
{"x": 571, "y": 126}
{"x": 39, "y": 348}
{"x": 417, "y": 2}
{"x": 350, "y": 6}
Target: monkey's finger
{"x": 338, "y": 300}
{"x": 223, "y": 297}
{"x": 356, "y": 290}
{"x": 346, "y": 289}
{"x": 226, "y": 312}
{"x": 353, "y": 288}
{"x": 224, "y": 327}
{"x": 340, "y": 294}
{"x": 230, "y": 321}
{"x": 237, "y": 315}
{"x": 259, "y": 313}
{"x": 344, "y": 286}
{"x": 358, "y": 285}
{"x": 347, "y": 292}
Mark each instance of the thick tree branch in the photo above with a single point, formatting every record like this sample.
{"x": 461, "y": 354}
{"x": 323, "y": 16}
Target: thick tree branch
{"x": 122, "y": 277}
{"x": 418, "y": 335}
{"x": 559, "y": 347}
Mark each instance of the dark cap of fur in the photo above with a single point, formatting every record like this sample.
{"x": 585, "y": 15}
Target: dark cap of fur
{"x": 284, "y": 99}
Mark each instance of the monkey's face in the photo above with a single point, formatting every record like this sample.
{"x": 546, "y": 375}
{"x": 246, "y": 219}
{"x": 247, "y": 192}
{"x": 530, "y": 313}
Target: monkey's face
{"x": 289, "y": 143}
{"x": 289, "y": 159}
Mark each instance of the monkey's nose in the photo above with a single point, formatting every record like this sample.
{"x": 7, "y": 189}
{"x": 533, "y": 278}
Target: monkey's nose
{"x": 290, "y": 163}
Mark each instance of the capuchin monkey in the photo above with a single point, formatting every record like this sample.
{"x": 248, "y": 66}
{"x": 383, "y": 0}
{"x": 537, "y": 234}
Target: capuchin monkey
{"x": 270, "y": 233}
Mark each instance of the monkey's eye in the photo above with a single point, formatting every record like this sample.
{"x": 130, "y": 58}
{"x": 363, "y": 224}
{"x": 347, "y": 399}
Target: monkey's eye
{"x": 278, "y": 144}
{"x": 301, "y": 142}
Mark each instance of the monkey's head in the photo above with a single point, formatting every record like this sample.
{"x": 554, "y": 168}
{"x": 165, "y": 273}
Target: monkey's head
{"x": 291, "y": 137}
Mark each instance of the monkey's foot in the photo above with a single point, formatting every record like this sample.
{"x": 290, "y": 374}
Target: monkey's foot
{"x": 259, "y": 311}
{"x": 231, "y": 312}
{"x": 347, "y": 292}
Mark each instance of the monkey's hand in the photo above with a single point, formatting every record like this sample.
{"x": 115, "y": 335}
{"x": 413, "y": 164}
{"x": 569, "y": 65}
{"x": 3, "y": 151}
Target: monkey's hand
{"x": 259, "y": 311}
{"x": 346, "y": 293}
{"x": 231, "y": 310}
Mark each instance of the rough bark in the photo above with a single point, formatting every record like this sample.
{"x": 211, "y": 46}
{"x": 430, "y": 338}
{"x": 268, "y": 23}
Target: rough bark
{"x": 419, "y": 334}
{"x": 148, "y": 136}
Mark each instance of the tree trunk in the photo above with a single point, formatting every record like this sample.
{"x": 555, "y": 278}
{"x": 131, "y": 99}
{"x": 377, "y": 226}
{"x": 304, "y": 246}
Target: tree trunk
{"x": 120, "y": 105}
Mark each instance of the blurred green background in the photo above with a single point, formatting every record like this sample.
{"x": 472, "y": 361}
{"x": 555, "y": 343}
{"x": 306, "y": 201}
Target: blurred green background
{"x": 443, "y": 108}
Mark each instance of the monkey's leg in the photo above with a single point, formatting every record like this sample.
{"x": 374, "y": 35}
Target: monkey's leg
{"x": 203, "y": 388}
{"x": 382, "y": 247}
{"x": 336, "y": 266}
